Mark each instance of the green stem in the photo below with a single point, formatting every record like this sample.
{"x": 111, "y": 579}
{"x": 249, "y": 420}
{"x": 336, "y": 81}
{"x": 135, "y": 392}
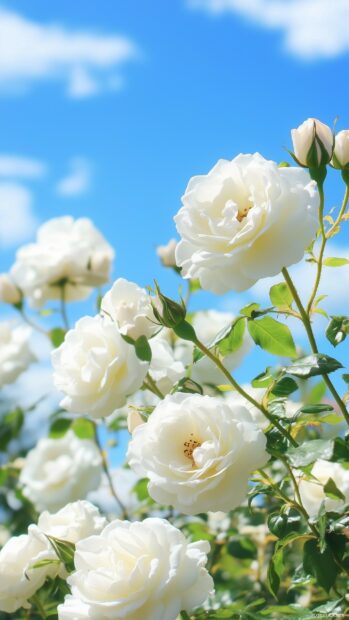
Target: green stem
{"x": 64, "y": 308}
{"x": 124, "y": 514}
{"x": 340, "y": 214}
{"x": 312, "y": 341}
{"x": 41, "y": 611}
{"x": 322, "y": 250}
{"x": 300, "y": 505}
{"x": 153, "y": 387}
{"x": 242, "y": 392}
{"x": 32, "y": 324}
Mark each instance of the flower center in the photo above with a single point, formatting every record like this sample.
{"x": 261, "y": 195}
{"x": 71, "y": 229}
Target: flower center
{"x": 189, "y": 447}
{"x": 243, "y": 211}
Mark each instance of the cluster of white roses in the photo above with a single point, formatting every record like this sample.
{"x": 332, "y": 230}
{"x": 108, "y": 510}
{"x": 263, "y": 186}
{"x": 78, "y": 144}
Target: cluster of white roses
{"x": 246, "y": 219}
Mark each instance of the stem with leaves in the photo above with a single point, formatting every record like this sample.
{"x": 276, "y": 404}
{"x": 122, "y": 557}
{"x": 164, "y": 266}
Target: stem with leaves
{"x": 124, "y": 514}
{"x": 242, "y": 392}
{"x": 312, "y": 341}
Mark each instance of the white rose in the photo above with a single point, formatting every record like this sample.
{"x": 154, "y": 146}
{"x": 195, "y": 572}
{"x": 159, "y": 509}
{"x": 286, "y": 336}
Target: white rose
{"x": 312, "y": 492}
{"x": 58, "y": 471}
{"x": 9, "y": 293}
{"x": 72, "y": 523}
{"x": 164, "y": 369}
{"x": 234, "y": 398}
{"x": 167, "y": 253}
{"x": 66, "y": 251}
{"x": 95, "y": 368}
{"x": 313, "y": 143}
{"x": 15, "y": 353}
{"x": 341, "y": 149}
{"x": 130, "y": 307}
{"x": 245, "y": 220}
{"x": 198, "y": 453}
{"x": 18, "y": 579}
{"x": 144, "y": 570}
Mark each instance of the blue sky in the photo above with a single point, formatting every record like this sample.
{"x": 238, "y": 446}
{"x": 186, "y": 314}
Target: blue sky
{"x": 137, "y": 96}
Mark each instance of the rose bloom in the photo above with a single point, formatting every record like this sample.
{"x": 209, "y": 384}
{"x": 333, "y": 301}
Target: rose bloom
{"x": 313, "y": 143}
{"x": 9, "y": 293}
{"x": 95, "y": 368}
{"x": 341, "y": 149}
{"x": 245, "y": 220}
{"x": 198, "y": 453}
{"x": 164, "y": 368}
{"x": 15, "y": 353}
{"x": 312, "y": 492}
{"x": 18, "y": 579}
{"x": 144, "y": 570}
{"x": 167, "y": 253}
{"x": 130, "y": 307}
{"x": 66, "y": 251}
{"x": 58, "y": 471}
{"x": 72, "y": 523}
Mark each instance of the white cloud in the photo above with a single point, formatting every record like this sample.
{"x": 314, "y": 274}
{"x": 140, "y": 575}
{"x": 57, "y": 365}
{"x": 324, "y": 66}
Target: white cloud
{"x": 311, "y": 29}
{"x": 17, "y": 220}
{"x": 78, "y": 180}
{"x": 14, "y": 166}
{"x": 86, "y": 62}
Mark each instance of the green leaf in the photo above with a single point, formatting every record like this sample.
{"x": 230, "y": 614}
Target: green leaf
{"x": 59, "y": 427}
{"x": 282, "y": 524}
{"x": 142, "y": 348}
{"x": 284, "y": 387}
{"x": 10, "y": 426}
{"x": 332, "y": 491}
{"x": 248, "y": 310}
{"x": 189, "y": 386}
{"x": 337, "y": 329}
{"x": 83, "y": 428}
{"x": 316, "y": 393}
{"x": 280, "y": 295}
{"x": 233, "y": 340}
{"x": 335, "y": 262}
{"x": 311, "y": 409}
{"x": 264, "y": 379}
{"x": 321, "y": 565}
{"x": 57, "y": 335}
{"x": 65, "y": 552}
{"x": 313, "y": 365}
{"x": 310, "y": 451}
{"x": 185, "y": 331}
{"x": 272, "y": 336}
{"x": 275, "y": 570}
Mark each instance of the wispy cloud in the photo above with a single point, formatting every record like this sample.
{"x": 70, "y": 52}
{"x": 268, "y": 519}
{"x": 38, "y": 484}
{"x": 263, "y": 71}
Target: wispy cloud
{"x": 87, "y": 63}
{"x": 17, "y": 220}
{"x": 78, "y": 179}
{"x": 15, "y": 166}
{"x": 311, "y": 29}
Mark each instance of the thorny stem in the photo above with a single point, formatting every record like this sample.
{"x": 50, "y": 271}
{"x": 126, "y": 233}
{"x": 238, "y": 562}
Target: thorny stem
{"x": 312, "y": 341}
{"x": 108, "y": 475}
{"x": 242, "y": 392}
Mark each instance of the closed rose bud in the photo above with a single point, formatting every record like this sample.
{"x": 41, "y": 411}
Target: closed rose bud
{"x": 313, "y": 143}
{"x": 9, "y": 293}
{"x": 340, "y": 157}
{"x": 166, "y": 253}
